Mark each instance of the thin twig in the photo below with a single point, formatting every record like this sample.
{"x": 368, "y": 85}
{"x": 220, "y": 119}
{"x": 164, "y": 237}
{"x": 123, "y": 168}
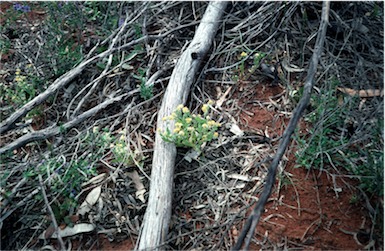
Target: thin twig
{"x": 54, "y": 222}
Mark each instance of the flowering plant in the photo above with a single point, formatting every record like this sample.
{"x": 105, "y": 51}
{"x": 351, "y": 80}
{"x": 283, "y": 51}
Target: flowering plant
{"x": 190, "y": 130}
{"x": 122, "y": 153}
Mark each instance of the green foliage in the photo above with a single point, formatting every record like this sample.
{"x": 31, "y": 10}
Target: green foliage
{"x": 20, "y": 92}
{"x": 122, "y": 153}
{"x": 353, "y": 199}
{"x": 22, "y": 89}
{"x": 376, "y": 12}
{"x": 190, "y": 130}
{"x": 325, "y": 145}
{"x": 5, "y": 45}
{"x": 257, "y": 57}
{"x": 68, "y": 26}
{"x": 146, "y": 91}
{"x": 64, "y": 179}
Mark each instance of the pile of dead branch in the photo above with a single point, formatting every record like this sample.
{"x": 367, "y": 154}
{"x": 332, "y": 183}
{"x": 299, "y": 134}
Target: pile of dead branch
{"x": 212, "y": 194}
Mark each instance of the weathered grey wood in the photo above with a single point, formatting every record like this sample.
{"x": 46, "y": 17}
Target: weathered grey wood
{"x": 59, "y": 83}
{"x": 55, "y": 130}
{"x": 156, "y": 220}
{"x": 9, "y": 123}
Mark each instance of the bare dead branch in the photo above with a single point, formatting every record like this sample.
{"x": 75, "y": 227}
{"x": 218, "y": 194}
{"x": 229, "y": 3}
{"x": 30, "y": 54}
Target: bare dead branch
{"x": 54, "y": 130}
{"x": 251, "y": 223}
{"x": 158, "y": 213}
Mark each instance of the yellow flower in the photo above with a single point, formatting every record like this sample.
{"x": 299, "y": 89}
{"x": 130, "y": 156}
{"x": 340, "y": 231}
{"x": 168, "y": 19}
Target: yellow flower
{"x": 185, "y": 110}
{"x": 215, "y": 135}
{"x": 95, "y": 129}
{"x": 19, "y": 78}
{"x": 211, "y": 123}
{"x": 122, "y": 138}
{"x": 178, "y": 125}
{"x": 205, "y": 108}
{"x": 181, "y": 133}
{"x": 179, "y": 107}
{"x": 205, "y": 126}
{"x": 218, "y": 124}
{"x": 188, "y": 120}
{"x": 190, "y": 129}
{"x": 211, "y": 102}
{"x": 176, "y": 130}
{"x": 164, "y": 118}
{"x": 172, "y": 116}
{"x": 243, "y": 54}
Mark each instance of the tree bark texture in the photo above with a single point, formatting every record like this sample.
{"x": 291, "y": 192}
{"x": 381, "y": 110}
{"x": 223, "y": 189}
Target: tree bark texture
{"x": 157, "y": 217}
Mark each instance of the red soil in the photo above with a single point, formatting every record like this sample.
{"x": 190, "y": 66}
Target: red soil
{"x": 309, "y": 211}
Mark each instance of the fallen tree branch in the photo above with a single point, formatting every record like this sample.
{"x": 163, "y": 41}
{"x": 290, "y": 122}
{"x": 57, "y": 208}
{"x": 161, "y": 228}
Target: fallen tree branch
{"x": 251, "y": 223}
{"x": 54, "y": 130}
{"x": 158, "y": 213}
{"x": 9, "y": 123}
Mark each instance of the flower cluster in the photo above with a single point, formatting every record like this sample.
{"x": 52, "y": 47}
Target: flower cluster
{"x": 256, "y": 61}
{"x": 22, "y": 90}
{"x": 122, "y": 153}
{"x": 18, "y": 77}
{"x": 190, "y": 130}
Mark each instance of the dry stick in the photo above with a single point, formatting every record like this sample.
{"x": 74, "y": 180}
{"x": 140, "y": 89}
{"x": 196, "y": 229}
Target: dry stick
{"x": 9, "y": 123}
{"x": 158, "y": 213}
{"x": 19, "y": 204}
{"x": 54, "y": 130}
{"x": 251, "y": 223}
{"x": 55, "y": 225}
{"x": 58, "y": 84}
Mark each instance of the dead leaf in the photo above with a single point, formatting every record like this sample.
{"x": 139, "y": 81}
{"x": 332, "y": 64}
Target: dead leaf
{"x": 239, "y": 177}
{"x": 220, "y": 101}
{"x": 362, "y": 93}
{"x": 90, "y": 200}
{"x": 49, "y": 232}
{"x": 127, "y": 66}
{"x": 236, "y": 130}
{"x": 95, "y": 180}
{"x": 140, "y": 190}
{"x": 139, "y": 139}
{"x": 192, "y": 154}
{"x": 69, "y": 231}
{"x": 291, "y": 67}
